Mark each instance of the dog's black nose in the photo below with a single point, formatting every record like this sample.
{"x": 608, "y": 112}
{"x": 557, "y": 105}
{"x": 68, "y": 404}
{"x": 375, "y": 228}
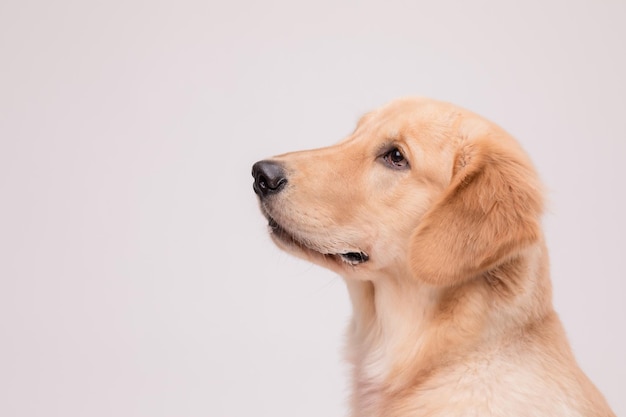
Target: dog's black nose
{"x": 269, "y": 178}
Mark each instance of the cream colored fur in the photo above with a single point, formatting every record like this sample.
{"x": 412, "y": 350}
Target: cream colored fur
{"x": 452, "y": 313}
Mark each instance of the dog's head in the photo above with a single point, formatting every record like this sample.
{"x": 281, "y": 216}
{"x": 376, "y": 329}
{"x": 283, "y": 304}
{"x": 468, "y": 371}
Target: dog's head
{"x": 420, "y": 188}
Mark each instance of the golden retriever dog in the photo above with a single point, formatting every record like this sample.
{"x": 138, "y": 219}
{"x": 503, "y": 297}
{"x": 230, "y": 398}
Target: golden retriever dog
{"x": 431, "y": 214}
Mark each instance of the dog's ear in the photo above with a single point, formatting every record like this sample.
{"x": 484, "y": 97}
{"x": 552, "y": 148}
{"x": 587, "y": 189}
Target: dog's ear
{"x": 490, "y": 211}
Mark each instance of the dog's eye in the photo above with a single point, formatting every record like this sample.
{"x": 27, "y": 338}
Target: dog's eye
{"x": 395, "y": 159}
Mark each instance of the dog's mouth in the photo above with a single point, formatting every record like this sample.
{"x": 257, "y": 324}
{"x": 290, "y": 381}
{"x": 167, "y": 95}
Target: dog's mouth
{"x": 351, "y": 258}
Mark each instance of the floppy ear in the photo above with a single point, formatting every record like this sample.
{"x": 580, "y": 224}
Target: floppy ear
{"x": 490, "y": 211}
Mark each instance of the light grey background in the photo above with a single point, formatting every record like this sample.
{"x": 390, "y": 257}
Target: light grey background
{"x": 136, "y": 276}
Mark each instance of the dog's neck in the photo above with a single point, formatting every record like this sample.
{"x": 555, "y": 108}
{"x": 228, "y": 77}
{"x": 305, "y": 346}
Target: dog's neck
{"x": 387, "y": 313}
{"x": 402, "y": 329}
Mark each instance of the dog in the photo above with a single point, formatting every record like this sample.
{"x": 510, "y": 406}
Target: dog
{"x": 431, "y": 214}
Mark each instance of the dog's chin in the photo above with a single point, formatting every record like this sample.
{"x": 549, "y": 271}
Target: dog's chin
{"x": 299, "y": 247}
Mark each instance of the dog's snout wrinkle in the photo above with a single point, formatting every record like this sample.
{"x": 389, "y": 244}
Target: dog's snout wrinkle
{"x": 269, "y": 178}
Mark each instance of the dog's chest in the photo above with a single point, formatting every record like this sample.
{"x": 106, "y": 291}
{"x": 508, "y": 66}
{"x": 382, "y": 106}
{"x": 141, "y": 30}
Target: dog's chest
{"x": 476, "y": 389}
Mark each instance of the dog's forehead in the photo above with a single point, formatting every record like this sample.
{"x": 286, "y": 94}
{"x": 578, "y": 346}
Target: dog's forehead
{"x": 411, "y": 118}
{"x": 411, "y": 111}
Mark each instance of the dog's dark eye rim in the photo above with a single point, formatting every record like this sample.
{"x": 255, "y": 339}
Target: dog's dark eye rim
{"x": 395, "y": 158}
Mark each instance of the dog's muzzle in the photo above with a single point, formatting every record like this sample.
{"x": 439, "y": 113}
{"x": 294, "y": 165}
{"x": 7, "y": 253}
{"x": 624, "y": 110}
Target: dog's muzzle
{"x": 269, "y": 179}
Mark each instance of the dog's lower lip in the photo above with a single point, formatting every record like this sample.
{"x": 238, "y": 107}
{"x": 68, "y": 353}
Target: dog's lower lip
{"x": 352, "y": 258}
{"x": 355, "y": 257}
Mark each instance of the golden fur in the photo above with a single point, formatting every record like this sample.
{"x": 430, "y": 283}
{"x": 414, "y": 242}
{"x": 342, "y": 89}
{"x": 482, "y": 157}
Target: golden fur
{"x": 452, "y": 312}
